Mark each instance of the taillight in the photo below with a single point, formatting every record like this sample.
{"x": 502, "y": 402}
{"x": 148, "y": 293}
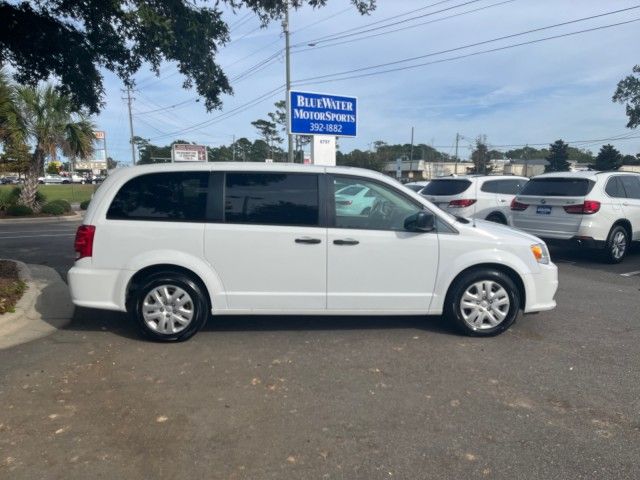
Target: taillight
{"x": 84, "y": 241}
{"x": 589, "y": 207}
{"x": 461, "y": 203}
{"x": 517, "y": 206}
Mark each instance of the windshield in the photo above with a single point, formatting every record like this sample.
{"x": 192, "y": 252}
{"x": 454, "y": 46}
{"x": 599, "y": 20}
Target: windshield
{"x": 446, "y": 187}
{"x": 558, "y": 187}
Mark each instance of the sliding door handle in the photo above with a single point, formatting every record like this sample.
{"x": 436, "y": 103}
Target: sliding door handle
{"x": 346, "y": 241}
{"x": 308, "y": 240}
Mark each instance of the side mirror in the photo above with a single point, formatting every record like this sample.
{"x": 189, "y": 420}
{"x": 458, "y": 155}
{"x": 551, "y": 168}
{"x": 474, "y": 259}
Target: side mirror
{"x": 420, "y": 222}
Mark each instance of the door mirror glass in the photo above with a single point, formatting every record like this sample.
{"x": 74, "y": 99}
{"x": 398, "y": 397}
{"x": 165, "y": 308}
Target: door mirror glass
{"x": 420, "y": 222}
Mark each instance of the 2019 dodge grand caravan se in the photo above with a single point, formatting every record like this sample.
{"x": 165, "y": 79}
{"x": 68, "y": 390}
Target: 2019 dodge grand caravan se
{"x": 172, "y": 244}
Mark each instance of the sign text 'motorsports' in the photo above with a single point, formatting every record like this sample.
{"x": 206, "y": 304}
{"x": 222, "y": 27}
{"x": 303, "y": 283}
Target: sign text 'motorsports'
{"x": 322, "y": 114}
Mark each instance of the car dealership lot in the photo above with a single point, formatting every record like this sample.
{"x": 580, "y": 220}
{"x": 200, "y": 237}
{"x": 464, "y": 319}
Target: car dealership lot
{"x": 556, "y": 396}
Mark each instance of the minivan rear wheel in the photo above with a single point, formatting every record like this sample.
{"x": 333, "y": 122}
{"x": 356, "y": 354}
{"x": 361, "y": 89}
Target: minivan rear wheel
{"x": 483, "y": 303}
{"x": 617, "y": 244}
{"x": 169, "y": 307}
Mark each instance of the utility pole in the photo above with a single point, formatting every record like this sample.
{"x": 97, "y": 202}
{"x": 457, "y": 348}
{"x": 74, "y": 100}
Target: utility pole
{"x": 457, "y": 140}
{"x": 233, "y": 149}
{"x": 133, "y": 148}
{"x": 285, "y": 28}
{"x": 411, "y": 154}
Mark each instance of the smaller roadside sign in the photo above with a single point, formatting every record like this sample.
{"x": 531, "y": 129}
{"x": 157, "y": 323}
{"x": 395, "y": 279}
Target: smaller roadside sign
{"x": 185, "y": 152}
{"x": 322, "y": 114}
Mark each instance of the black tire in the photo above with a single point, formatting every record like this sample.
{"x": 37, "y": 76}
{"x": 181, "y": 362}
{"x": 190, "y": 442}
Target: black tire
{"x": 454, "y": 312}
{"x": 366, "y": 211}
{"x": 497, "y": 218}
{"x": 614, "y": 251}
{"x": 199, "y": 305}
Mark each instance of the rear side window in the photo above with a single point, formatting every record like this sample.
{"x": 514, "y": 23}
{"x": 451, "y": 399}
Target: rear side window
{"x": 505, "y": 187}
{"x": 558, "y": 187}
{"x": 170, "y": 196}
{"x": 614, "y": 188}
{"x": 272, "y": 198}
{"x": 631, "y": 186}
{"x": 446, "y": 187}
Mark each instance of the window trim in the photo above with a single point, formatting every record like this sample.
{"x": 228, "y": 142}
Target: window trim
{"x": 322, "y": 195}
{"x": 331, "y": 207}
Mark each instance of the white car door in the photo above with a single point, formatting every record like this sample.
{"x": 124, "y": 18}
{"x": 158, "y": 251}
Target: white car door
{"x": 374, "y": 264}
{"x": 269, "y": 248}
{"x": 631, "y": 204}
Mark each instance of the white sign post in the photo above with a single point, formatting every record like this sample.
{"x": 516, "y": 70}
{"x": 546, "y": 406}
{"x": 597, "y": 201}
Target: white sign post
{"x": 181, "y": 152}
{"x": 323, "y": 150}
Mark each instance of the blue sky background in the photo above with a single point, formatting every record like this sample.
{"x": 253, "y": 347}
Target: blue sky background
{"x": 531, "y": 94}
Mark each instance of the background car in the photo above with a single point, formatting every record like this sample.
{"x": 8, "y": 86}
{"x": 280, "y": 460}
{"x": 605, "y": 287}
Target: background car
{"x": 10, "y": 180}
{"x": 416, "y": 186}
{"x": 485, "y": 197}
{"x": 53, "y": 179}
{"x": 589, "y": 209}
{"x": 354, "y": 200}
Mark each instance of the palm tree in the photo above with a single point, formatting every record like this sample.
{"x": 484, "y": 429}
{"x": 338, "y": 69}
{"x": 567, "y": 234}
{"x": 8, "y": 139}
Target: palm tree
{"x": 11, "y": 125}
{"x": 50, "y": 122}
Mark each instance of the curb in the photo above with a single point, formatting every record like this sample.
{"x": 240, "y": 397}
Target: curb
{"x": 44, "y": 307}
{"x": 63, "y": 218}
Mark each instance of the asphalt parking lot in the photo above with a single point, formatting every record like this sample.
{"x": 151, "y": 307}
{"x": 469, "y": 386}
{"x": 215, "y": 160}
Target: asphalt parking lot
{"x": 556, "y": 397}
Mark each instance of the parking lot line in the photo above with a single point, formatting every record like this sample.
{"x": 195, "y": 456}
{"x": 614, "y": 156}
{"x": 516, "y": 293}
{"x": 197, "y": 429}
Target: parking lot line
{"x": 631, "y": 274}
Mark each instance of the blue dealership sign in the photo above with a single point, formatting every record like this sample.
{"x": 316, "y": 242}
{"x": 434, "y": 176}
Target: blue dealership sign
{"x": 322, "y": 114}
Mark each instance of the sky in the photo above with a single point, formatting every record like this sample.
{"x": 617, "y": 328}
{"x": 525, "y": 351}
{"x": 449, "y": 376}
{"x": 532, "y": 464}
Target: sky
{"x": 528, "y": 94}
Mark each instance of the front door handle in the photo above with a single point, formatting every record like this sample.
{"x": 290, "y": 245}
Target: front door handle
{"x": 347, "y": 241}
{"x": 308, "y": 240}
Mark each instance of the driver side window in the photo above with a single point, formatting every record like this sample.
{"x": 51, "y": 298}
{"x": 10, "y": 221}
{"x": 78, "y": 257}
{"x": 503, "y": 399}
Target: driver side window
{"x": 374, "y": 207}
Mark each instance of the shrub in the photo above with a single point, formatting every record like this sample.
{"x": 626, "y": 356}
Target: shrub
{"x": 66, "y": 206}
{"x": 52, "y": 208}
{"x": 16, "y": 210}
{"x": 84, "y": 205}
{"x": 15, "y": 194}
{"x": 6, "y": 199}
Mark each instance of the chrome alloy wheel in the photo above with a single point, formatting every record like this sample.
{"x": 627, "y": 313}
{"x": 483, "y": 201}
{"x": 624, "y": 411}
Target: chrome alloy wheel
{"x": 167, "y": 309}
{"x": 618, "y": 245}
{"x": 484, "y": 305}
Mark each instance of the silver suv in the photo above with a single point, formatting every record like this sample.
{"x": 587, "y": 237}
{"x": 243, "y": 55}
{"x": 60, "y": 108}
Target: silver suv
{"x": 590, "y": 209}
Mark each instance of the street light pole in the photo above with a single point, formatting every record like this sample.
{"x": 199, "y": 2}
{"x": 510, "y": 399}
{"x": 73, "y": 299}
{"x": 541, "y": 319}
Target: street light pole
{"x": 285, "y": 27}
{"x": 133, "y": 149}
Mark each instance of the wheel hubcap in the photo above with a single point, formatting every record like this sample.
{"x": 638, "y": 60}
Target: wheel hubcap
{"x": 618, "y": 245}
{"x": 167, "y": 309}
{"x": 484, "y": 305}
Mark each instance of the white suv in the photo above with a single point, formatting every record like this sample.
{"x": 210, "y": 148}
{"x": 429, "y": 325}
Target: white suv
{"x": 173, "y": 243}
{"x": 476, "y": 196}
{"x": 590, "y": 209}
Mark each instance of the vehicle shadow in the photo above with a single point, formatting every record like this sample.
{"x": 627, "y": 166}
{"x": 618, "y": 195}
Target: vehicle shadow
{"x": 92, "y": 320}
{"x": 594, "y": 258}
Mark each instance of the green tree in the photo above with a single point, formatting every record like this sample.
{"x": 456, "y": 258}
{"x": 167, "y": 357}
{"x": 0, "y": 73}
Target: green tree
{"x": 609, "y": 158}
{"x": 481, "y": 157}
{"x": 628, "y": 93}
{"x": 50, "y": 122}
{"x": 72, "y": 41}
{"x": 527, "y": 153}
{"x": 361, "y": 159}
{"x": 111, "y": 163}
{"x": 269, "y": 133}
{"x": 558, "y": 157}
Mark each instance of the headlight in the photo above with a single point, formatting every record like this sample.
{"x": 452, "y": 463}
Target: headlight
{"x": 541, "y": 253}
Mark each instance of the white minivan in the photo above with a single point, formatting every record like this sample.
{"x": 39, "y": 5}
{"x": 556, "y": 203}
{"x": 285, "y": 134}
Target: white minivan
{"x": 174, "y": 243}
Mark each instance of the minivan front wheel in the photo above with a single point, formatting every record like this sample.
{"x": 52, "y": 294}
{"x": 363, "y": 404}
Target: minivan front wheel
{"x": 617, "y": 244}
{"x": 170, "y": 307}
{"x": 483, "y": 303}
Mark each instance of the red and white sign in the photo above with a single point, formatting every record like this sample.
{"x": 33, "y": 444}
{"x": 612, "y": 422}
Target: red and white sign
{"x": 184, "y": 152}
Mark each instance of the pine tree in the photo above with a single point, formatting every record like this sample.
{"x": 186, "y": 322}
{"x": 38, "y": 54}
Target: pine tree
{"x": 558, "y": 157}
{"x": 608, "y": 158}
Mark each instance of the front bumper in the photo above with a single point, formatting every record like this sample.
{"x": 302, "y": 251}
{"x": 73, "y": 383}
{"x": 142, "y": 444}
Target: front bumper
{"x": 541, "y": 289}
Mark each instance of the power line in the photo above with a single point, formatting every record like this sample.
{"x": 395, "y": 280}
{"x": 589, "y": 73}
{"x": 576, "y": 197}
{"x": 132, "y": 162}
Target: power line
{"x": 224, "y": 116}
{"x": 165, "y": 108}
{"x": 463, "y": 47}
{"x": 373, "y": 35}
{"x": 345, "y": 33}
{"x": 313, "y": 24}
{"x": 497, "y": 49}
